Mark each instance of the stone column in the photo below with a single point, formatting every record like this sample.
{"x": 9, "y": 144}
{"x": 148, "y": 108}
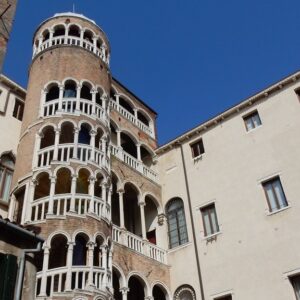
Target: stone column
{"x": 37, "y": 146}
{"x": 103, "y": 190}
{"x": 42, "y": 102}
{"x": 69, "y": 266}
{"x": 91, "y": 263}
{"x": 77, "y": 109}
{"x": 76, "y": 136}
{"x": 135, "y": 111}
{"x": 104, "y": 99}
{"x": 95, "y": 44}
{"x": 94, "y": 93}
{"x": 138, "y": 151}
{"x": 51, "y": 32}
{"x": 56, "y": 143}
{"x": 73, "y": 193}
{"x": 91, "y": 193}
{"x": 40, "y": 42}
{"x": 44, "y": 274}
{"x": 30, "y": 199}
{"x": 92, "y": 144}
{"x": 121, "y": 207}
{"x": 81, "y": 37}
{"x": 104, "y": 264}
{"x": 61, "y": 96}
{"x": 124, "y": 292}
{"x": 51, "y": 196}
{"x": 143, "y": 223}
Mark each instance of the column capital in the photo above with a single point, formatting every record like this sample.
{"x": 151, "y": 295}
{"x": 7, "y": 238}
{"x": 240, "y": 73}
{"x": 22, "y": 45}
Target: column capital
{"x": 121, "y": 191}
{"x": 104, "y": 97}
{"x": 92, "y": 179}
{"x": 61, "y": 86}
{"x": 93, "y": 132}
{"x": 33, "y": 182}
{"x": 74, "y": 177}
{"x": 161, "y": 219}
{"x": 141, "y": 203}
{"x": 53, "y": 179}
{"x": 76, "y": 130}
{"x": 57, "y": 130}
{"x": 70, "y": 245}
{"x": 91, "y": 245}
{"x": 124, "y": 290}
{"x": 149, "y": 298}
{"x": 46, "y": 249}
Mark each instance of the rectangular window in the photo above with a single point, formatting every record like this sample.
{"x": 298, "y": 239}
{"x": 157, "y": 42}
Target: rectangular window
{"x": 18, "y": 109}
{"x": 275, "y": 194}
{"x": 296, "y": 285}
{"x": 210, "y": 220}
{"x": 197, "y": 148}
{"x": 5, "y": 182}
{"x": 252, "y": 120}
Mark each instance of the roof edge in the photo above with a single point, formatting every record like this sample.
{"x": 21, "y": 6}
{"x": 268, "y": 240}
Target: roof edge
{"x": 266, "y": 92}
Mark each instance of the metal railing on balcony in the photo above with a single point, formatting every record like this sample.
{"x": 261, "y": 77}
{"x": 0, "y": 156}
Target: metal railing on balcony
{"x": 139, "y": 245}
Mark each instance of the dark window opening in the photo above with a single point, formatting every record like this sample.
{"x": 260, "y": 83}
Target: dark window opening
{"x": 210, "y": 220}
{"x": 136, "y": 289}
{"x": 18, "y": 110}
{"x": 70, "y": 90}
{"x": 53, "y": 93}
{"x": 88, "y": 36}
{"x": 158, "y": 293}
{"x": 84, "y": 135}
{"x": 252, "y": 120}
{"x": 197, "y": 148}
{"x": 143, "y": 119}
{"x": 79, "y": 252}
{"x": 128, "y": 145}
{"x": 125, "y": 105}
{"x": 74, "y": 31}
{"x": 85, "y": 93}
{"x": 59, "y": 31}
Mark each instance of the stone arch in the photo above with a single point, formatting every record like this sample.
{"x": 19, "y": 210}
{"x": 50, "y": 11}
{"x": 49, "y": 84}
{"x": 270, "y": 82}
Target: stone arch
{"x": 35, "y": 175}
{"x": 142, "y": 279}
{"x": 66, "y": 234}
{"x": 74, "y": 29}
{"x": 164, "y": 289}
{"x": 59, "y": 29}
{"x": 185, "y": 289}
{"x": 40, "y": 131}
{"x": 61, "y": 167}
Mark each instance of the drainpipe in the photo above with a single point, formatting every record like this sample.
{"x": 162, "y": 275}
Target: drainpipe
{"x": 22, "y": 268}
{"x": 192, "y": 222}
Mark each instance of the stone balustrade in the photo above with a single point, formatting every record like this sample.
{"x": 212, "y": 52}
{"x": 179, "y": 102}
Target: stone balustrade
{"x": 79, "y": 279}
{"x": 134, "y": 163}
{"x": 133, "y": 119}
{"x": 139, "y": 245}
{"x": 72, "y": 41}
{"x": 66, "y": 152}
{"x": 62, "y": 205}
{"x": 74, "y": 106}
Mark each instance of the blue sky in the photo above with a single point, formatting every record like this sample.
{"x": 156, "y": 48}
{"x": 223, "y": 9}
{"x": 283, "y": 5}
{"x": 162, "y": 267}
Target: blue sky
{"x": 188, "y": 59}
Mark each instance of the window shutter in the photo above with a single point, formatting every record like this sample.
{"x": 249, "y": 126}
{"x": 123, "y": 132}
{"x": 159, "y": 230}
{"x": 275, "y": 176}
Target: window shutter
{"x": 8, "y": 267}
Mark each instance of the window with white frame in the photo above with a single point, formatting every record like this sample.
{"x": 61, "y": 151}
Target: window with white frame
{"x": 295, "y": 280}
{"x": 209, "y": 219}
{"x": 7, "y": 165}
{"x": 274, "y": 194}
{"x": 197, "y": 148}
{"x": 252, "y": 120}
{"x": 176, "y": 223}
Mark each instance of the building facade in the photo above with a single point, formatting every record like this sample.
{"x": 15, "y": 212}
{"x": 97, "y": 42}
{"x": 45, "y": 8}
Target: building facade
{"x": 7, "y": 13}
{"x": 211, "y": 215}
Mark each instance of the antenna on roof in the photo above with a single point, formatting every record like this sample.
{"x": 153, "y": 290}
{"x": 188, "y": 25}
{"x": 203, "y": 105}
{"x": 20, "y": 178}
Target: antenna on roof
{"x": 73, "y": 7}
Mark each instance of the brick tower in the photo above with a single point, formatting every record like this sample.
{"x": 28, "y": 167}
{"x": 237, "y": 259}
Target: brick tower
{"x": 85, "y": 172}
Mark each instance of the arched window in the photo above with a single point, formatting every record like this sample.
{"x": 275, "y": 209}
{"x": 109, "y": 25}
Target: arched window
{"x": 70, "y": 89}
{"x": 59, "y": 30}
{"x": 176, "y": 223}
{"x": 58, "y": 252}
{"x": 74, "y": 30}
{"x": 88, "y": 36}
{"x": 143, "y": 118}
{"x": 85, "y": 92}
{"x": 53, "y": 93}
{"x": 126, "y": 105}
{"x": 7, "y": 165}
{"x": 185, "y": 292}
{"x": 80, "y": 250}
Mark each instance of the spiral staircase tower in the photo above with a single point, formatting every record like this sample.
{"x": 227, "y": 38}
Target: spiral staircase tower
{"x": 63, "y": 166}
